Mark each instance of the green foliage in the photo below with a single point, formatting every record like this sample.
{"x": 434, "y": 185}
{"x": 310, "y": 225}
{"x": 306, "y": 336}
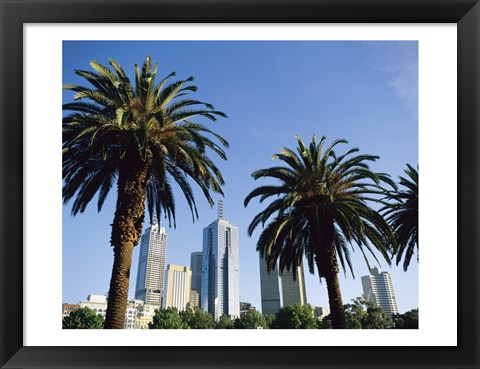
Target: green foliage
{"x": 295, "y": 317}
{"x": 168, "y": 318}
{"x": 325, "y": 323}
{"x": 401, "y": 212}
{"x": 83, "y": 318}
{"x": 376, "y": 318}
{"x": 270, "y": 320}
{"x": 409, "y": 320}
{"x": 356, "y": 312}
{"x": 197, "y": 318}
{"x": 225, "y": 322}
{"x": 251, "y": 320}
{"x": 361, "y": 314}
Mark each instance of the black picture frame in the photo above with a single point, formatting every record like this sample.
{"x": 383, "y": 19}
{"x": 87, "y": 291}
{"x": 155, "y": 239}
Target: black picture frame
{"x": 15, "y": 13}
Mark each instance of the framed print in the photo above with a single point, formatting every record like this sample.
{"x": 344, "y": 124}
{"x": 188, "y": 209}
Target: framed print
{"x": 42, "y": 42}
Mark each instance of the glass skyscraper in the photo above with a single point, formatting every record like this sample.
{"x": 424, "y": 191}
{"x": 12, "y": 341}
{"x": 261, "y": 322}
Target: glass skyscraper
{"x": 269, "y": 288}
{"x": 293, "y": 290}
{"x": 220, "y": 277}
{"x": 151, "y": 264}
{"x": 196, "y": 264}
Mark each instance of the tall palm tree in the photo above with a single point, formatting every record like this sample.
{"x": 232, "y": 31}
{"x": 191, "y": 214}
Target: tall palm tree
{"x": 321, "y": 206}
{"x": 401, "y": 211}
{"x": 142, "y": 139}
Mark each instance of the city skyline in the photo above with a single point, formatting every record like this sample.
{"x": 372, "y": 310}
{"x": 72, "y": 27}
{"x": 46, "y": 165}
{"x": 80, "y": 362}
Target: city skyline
{"x": 377, "y": 286}
{"x": 333, "y": 75}
{"x": 179, "y": 280}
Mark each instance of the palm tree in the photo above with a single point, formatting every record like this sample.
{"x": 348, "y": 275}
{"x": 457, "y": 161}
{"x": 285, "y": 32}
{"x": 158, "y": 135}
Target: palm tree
{"x": 401, "y": 211}
{"x": 142, "y": 138}
{"x": 321, "y": 206}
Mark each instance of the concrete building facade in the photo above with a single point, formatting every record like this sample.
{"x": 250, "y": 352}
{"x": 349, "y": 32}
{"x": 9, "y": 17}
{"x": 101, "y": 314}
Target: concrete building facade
{"x": 98, "y": 303}
{"x": 145, "y": 315}
{"x": 378, "y": 289}
{"x": 68, "y": 308}
{"x": 177, "y": 287}
{"x": 194, "y": 298}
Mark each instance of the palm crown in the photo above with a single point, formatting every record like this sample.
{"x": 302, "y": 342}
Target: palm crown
{"x": 150, "y": 119}
{"x": 322, "y": 206}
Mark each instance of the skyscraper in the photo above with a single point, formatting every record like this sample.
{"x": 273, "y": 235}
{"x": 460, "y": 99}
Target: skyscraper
{"x": 196, "y": 261}
{"x": 378, "y": 289}
{"x": 177, "y": 287}
{"x": 151, "y": 264}
{"x": 293, "y": 291}
{"x": 269, "y": 289}
{"x": 220, "y": 279}
{"x": 194, "y": 298}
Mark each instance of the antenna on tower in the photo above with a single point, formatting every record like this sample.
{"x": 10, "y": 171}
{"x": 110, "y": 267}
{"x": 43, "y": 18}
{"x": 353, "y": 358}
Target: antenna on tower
{"x": 220, "y": 209}
{"x": 154, "y": 218}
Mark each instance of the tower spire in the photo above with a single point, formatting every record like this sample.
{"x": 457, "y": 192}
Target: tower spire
{"x": 154, "y": 218}
{"x": 220, "y": 209}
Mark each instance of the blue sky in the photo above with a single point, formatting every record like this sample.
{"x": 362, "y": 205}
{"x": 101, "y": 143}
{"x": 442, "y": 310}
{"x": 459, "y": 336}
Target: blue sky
{"x": 365, "y": 92}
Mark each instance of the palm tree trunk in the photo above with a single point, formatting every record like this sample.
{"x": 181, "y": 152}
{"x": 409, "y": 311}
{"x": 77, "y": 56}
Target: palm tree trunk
{"x": 327, "y": 265}
{"x": 126, "y": 231}
{"x": 328, "y": 268}
{"x": 335, "y": 300}
{"x": 119, "y": 285}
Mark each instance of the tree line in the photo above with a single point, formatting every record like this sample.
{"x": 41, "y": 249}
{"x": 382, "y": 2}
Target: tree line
{"x": 359, "y": 315}
{"x": 142, "y": 137}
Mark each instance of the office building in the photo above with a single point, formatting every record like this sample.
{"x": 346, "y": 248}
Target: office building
{"x": 269, "y": 289}
{"x": 220, "y": 278}
{"x": 98, "y": 303}
{"x": 194, "y": 298}
{"x": 145, "y": 314}
{"x": 131, "y": 313}
{"x": 68, "y": 308}
{"x": 151, "y": 264}
{"x": 293, "y": 290}
{"x": 177, "y": 287}
{"x": 320, "y": 312}
{"x": 196, "y": 264}
{"x": 245, "y": 307}
{"x": 378, "y": 289}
